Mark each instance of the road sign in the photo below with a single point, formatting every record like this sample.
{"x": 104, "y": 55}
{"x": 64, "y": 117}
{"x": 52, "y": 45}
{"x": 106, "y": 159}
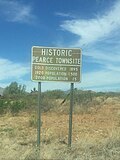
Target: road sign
{"x": 56, "y": 64}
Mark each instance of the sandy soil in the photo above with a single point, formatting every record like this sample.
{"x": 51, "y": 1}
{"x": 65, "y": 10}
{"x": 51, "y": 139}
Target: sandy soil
{"x": 18, "y": 137}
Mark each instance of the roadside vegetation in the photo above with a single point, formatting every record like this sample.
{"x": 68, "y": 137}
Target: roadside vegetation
{"x": 96, "y": 125}
{"x": 16, "y": 99}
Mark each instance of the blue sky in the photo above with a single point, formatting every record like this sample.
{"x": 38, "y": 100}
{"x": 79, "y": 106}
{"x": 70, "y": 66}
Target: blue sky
{"x": 92, "y": 25}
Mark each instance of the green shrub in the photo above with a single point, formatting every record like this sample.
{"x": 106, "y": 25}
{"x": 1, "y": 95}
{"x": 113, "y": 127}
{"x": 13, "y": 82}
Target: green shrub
{"x": 14, "y": 89}
{"x": 1, "y": 106}
{"x": 4, "y": 105}
{"x": 16, "y": 106}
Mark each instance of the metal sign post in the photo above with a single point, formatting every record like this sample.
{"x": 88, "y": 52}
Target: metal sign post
{"x": 39, "y": 115}
{"x": 70, "y": 116}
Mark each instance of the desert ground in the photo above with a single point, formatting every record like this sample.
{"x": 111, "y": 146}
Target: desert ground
{"x": 95, "y": 133}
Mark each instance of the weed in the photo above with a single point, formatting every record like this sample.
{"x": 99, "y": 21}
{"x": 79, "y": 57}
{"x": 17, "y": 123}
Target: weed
{"x": 9, "y": 131}
{"x": 33, "y": 121}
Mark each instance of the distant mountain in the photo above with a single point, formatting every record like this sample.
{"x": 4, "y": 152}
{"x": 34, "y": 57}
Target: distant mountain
{"x": 1, "y": 90}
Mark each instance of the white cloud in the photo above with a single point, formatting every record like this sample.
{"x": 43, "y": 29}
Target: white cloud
{"x": 12, "y": 71}
{"x": 96, "y": 29}
{"x": 98, "y": 37}
{"x": 109, "y": 59}
{"x": 100, "y": 41}
{"x": 15, "y": 11}
{"x": 100, "y": 78}
{"x": 67, "y": 15}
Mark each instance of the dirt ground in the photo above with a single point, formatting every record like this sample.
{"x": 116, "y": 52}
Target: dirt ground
{"x": 18, "y": 134}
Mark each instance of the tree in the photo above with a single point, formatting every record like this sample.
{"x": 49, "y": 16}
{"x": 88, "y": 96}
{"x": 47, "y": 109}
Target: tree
{"x": 14, "y": 89}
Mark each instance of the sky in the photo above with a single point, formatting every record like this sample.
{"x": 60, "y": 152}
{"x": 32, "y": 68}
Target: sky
{"x": 92, "y": 25}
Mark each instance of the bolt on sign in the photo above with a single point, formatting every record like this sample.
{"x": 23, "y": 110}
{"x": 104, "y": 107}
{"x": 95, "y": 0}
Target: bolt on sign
{"x": 56, "y": 64}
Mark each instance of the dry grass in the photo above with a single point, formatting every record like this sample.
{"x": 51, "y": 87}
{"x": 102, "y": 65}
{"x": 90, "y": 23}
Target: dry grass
{"x": 96, "y": 135}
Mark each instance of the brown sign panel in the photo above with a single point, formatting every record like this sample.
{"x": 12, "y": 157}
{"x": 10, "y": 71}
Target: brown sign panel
{"x": 56, "y": 64}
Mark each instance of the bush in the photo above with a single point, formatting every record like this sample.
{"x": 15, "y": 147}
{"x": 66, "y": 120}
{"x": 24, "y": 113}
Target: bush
{"x": 55, "y": 94}
{"x": 83, "y": 97}
{"x": 14, "y": 89}
{"x": 2, "y": 106}
{"x": 16, "y": 106}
